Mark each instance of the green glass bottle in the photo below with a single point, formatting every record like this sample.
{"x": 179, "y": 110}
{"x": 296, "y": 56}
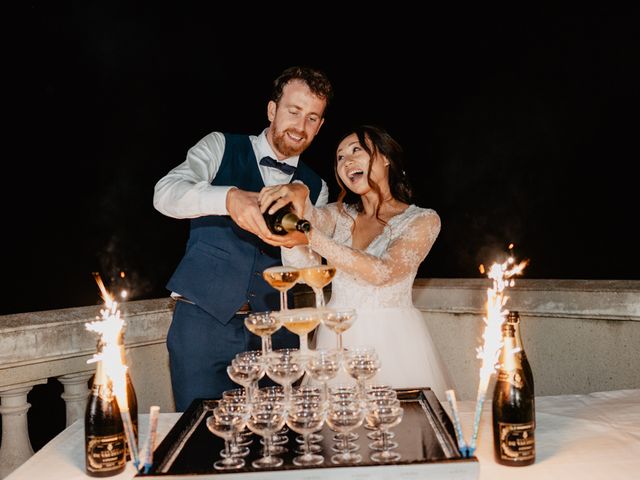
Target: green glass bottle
{"x": 103, "y": 429}
{"x": 513, "y": 407}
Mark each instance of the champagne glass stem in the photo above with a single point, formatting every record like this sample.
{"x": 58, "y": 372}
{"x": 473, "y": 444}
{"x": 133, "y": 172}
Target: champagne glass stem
{"x": 385, "y": 441}
{"x": 227, "y": 451}
{"x": 287, "y": 394}
{"x": 339, "y": 335}
{"x": 307, "y": 445}
{"x": 319, "y": 297}
{"x": 266, "y": 345}
{"x": 267, "y": 446}
{"x": 283, "y": 300}
{"x": 345, "y": 443}
{"x": 249, "y": 389}
{"x": 304, "y": 342}
{"x": 362, "y": 387}
{"x": 235, "y": 447}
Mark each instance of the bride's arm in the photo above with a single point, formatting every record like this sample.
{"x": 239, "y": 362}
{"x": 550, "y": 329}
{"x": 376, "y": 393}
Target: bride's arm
{"x": 403, "y": 256}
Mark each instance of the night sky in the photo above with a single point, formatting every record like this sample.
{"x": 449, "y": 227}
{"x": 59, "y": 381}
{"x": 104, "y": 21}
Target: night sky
{"x": 519, "y": 126}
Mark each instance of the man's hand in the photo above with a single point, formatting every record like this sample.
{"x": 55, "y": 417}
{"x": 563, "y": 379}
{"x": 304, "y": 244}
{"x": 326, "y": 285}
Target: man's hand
{"x": 245, "y": 212}
{"x": 294, "y": 193}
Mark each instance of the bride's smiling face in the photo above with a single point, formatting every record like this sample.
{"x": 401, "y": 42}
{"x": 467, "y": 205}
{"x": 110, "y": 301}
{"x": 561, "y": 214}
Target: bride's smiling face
{"x": 352, "y": 165}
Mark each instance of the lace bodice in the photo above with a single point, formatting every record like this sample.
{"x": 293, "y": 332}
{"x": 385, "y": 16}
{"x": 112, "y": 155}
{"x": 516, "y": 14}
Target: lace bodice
{"x": 380, "y": 276}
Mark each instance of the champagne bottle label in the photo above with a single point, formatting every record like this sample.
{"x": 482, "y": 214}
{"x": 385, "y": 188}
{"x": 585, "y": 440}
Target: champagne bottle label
{"x": 517, "y": 442}
{"x": 512, "y": 377}
{"x": 105, "y": 453}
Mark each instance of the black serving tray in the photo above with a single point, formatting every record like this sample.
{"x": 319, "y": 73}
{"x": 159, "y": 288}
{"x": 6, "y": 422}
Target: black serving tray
{"x": 425, "y": 436}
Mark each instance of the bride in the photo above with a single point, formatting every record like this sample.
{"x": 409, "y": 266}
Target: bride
{"x": 376, "y": 241}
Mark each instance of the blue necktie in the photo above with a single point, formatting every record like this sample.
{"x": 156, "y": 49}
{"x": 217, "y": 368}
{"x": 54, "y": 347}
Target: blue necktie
{"x": 283, "y": 167}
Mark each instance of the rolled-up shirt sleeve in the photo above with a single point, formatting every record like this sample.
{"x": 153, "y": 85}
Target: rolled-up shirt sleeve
{"x": 186, "y": 191}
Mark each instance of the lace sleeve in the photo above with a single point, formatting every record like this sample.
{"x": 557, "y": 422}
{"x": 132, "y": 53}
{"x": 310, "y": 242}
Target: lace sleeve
{"x": 322, "y": 218}
{"x": 402, "y": 257}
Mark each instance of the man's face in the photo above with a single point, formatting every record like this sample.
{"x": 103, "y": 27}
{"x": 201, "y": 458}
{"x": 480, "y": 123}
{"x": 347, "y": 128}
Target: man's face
{"x": 295, "y": 119}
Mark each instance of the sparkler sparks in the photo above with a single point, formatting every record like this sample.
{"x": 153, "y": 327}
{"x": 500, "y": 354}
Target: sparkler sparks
{"x": 109, "y": 327}
{"x": 502, "y": 275}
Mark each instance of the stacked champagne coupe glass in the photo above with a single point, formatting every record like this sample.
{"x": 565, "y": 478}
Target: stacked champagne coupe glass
{"x": 318, "y": 277}
{"x": 304, "y": 409}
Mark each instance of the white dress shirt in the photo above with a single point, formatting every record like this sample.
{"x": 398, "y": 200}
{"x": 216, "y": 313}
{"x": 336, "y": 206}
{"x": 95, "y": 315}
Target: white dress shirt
{"x": 186, "y": 191}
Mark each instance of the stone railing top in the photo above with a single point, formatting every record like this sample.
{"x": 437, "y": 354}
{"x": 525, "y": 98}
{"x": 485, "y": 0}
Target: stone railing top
{"x": 60, "y": 339}
{"x": 597, "y": 299}
{"x": 72, "y": 315}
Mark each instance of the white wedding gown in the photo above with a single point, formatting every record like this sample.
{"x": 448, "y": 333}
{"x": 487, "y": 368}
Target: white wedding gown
{"x": 378, "y": 283}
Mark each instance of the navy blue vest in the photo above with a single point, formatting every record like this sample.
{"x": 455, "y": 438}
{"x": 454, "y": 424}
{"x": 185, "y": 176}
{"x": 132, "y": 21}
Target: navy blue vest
{"x": 222, "y": 266}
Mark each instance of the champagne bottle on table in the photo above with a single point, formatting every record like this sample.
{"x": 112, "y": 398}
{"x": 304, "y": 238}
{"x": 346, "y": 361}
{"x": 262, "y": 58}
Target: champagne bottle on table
{"x": 284, "y": 221}
{"x": 103, "y": 429}
{"x": 132, "y": 399}
{"x": 514, "y": 318}
{"x": 513, "y": 411}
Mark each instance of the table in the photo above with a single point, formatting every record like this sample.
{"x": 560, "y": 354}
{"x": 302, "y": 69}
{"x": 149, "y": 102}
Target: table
{"x": 594, "y": 436}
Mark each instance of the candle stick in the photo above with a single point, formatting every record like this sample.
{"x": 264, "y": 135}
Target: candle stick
{"x": 462, "y": 445}
{"x": 154, "y": 411}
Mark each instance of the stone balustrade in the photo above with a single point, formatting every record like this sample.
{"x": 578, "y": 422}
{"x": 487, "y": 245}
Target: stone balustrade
{"x": 37, "y": 346}
{"x": 580, "y": 336}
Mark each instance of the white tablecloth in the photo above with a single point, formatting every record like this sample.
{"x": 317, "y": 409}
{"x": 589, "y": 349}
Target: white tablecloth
{"x": 585, "y": 437}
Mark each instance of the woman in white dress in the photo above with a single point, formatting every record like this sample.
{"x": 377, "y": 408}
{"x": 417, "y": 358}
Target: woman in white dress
{"x": 376, "y": 242}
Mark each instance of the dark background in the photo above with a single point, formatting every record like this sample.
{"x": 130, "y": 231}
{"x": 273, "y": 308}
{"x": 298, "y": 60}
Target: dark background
{"x": 520, "y": 126}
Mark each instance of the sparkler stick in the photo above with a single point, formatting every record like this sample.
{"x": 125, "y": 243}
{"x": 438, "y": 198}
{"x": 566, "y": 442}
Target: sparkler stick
{"x": 476, "y": 419}
{"x": 128, "y": 430}
{"x": 154, "y": 411}
{"x": 120, "y": 389}
{"x": 462, "y": 445}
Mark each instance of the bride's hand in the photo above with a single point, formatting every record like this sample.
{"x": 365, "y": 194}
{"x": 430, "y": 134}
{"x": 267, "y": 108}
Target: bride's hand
{"x": 291, "y": 239}
{"x": 295, "y": 193}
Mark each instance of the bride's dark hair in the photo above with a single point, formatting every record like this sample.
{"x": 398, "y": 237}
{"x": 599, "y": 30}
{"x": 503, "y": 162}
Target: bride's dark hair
{"x": 377, "y": 141}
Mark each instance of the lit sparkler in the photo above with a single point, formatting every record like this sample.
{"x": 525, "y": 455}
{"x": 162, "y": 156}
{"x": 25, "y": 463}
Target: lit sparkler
{"x": 110, "y": 329}
{"x": 502, "y": 275}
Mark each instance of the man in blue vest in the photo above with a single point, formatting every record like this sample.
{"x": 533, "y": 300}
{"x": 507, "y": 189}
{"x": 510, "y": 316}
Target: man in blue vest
{"x": 219, "y": 279}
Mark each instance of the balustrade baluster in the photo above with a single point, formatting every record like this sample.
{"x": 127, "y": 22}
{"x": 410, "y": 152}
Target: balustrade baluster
{"x": 16, "y": 446}
{"x": 76, "y": 391}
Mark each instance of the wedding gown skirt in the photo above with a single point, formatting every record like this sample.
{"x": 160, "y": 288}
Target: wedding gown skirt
{"x": 400, "y": 336}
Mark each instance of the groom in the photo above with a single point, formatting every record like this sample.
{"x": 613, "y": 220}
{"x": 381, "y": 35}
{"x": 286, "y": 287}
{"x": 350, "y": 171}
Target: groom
{"x": 219, "y": 279}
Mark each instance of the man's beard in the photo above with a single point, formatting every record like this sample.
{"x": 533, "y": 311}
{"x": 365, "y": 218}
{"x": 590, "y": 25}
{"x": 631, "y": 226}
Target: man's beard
{"x": 283, "y": 145}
